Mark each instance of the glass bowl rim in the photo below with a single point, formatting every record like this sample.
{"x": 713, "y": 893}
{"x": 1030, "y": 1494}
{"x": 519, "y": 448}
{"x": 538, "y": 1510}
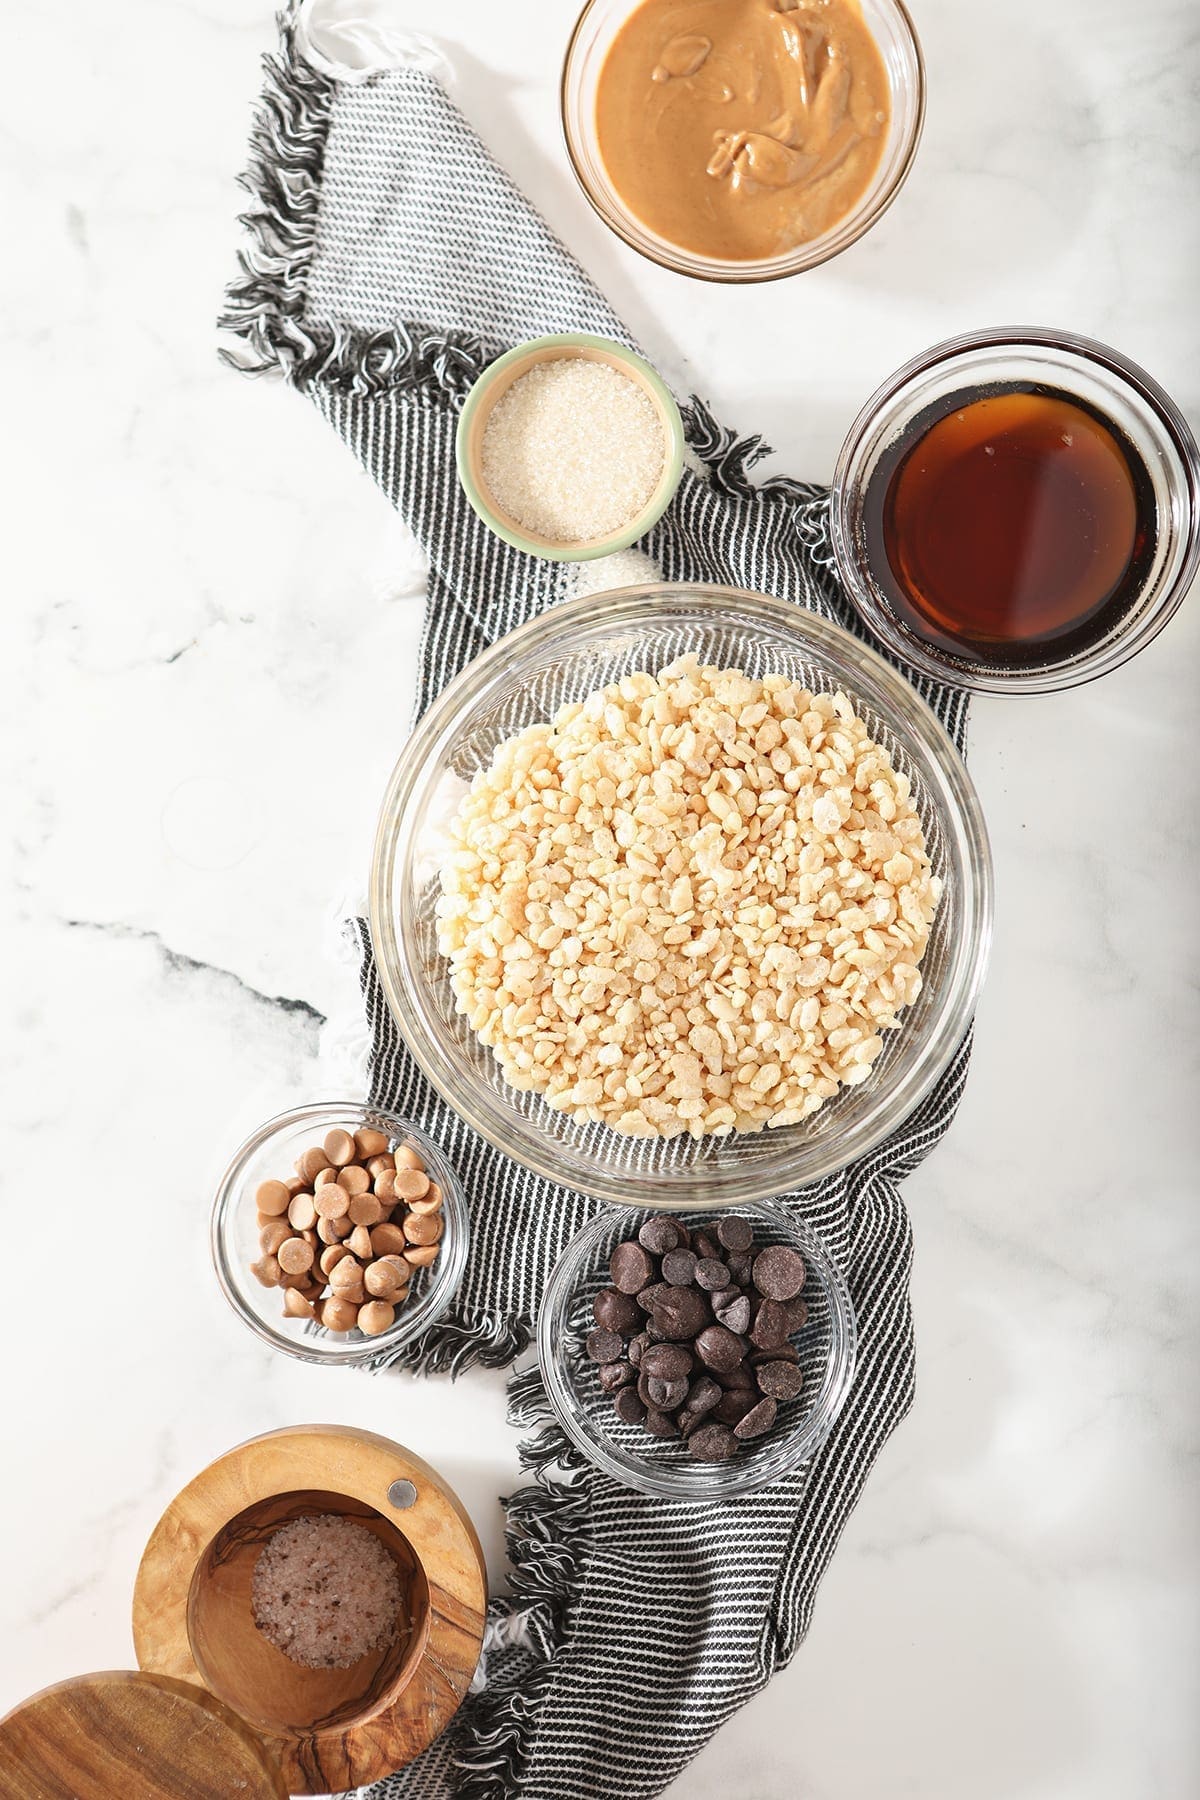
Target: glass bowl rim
{"x": 411, "y": 1321}
{"x": 665, "y": 490}
{"x": 683, "y": 262}
{"x": 886, "y": 400}
{"x": 804, "y": 1439}
{"x": 958, "y": 804}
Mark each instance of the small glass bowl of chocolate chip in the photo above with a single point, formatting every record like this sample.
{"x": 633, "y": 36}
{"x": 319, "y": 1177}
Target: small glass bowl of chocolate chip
{"x": 697, "y": 1357}
{"x": 339, "y": 1233}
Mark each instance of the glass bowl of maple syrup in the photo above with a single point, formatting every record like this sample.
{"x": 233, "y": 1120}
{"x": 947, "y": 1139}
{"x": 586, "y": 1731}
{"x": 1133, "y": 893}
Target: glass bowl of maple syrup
{"x": 1017, "y": 510}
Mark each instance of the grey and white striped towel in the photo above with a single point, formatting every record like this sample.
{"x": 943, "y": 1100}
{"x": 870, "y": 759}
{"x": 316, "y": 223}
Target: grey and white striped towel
{"x": 389, "y": 259}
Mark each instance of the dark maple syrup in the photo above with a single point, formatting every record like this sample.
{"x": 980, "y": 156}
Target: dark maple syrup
{"x": 1010, "y": 525}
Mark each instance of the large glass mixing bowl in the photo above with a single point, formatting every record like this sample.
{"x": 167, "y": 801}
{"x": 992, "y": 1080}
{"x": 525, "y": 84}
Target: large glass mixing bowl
{"x": 563, "y": 655}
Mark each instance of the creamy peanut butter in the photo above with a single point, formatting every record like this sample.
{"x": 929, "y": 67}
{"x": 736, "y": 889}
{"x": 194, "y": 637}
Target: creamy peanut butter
{"x": 738, "y": 129}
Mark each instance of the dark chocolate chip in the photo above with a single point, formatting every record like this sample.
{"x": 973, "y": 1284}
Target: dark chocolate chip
{"x": 705, "y": 1244}
{"x": 665, "y": 1395}
{"x": 631, "y": 1268}
{"x": 605, "y": 1346}
{"x": 614, "y": 1311}
{"x": 681, "y": 1313}
{"x": 711, "y": 1274}
{"x": 670, "y": 1362}
{"x": 661, "y": 1424}
{"x": 637, "y": 1349}
{"x": 661, "y": 1234}
{"x": 779, "y": 1272}
{"x": 616, "y": 1375}
{"x": 735, "y": 1234}
{"x": 781, "y": 1380}
{"x": 741, "y": 1377}
{"x": 770, "y": 1327}
{"x": 703, "y": 1395}
{"x": 797, "y": 1315}
{"x": 630, "y": 1406}
{"x": 733, "y": 1310}
{"x": 732, "y": 1408}
{"x": 758, "y": 1420}
{"x": 784, "y": 1353}
{"x": 712, "y": 1443}
{"x": 679, "y": 1267}
{"x": 741, "y": 1265}
{"x": 719, "y": 1348}
{"x": 649, "y": 1295}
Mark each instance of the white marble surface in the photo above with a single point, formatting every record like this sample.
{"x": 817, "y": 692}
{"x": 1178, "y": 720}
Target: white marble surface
{"x": 206, "y": 665}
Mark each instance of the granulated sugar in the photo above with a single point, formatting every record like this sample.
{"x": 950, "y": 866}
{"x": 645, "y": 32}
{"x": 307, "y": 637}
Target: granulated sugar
{"x": 573, "y": 451}
{"x": 325, "y": 1591}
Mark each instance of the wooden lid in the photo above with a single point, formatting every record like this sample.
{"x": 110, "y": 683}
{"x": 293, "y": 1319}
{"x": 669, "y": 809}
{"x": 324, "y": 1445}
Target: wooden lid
{"x": 121, "y": 1733}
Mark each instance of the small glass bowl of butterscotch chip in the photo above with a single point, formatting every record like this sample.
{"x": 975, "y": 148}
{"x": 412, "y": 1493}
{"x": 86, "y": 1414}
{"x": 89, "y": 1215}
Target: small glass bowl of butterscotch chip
{"x": 339, "y": 1233}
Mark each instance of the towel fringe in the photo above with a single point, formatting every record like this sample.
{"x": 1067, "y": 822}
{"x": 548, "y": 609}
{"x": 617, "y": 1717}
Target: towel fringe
{"x": 549, "y": 1540}
{"x": 473, "y": 1340}
{"x": 729, "y": 460}
{"x": 264, "y": 308}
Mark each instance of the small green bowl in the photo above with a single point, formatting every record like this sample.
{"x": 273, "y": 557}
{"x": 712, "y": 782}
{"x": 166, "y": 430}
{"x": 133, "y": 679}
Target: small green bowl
{"x": 495, "y": 382}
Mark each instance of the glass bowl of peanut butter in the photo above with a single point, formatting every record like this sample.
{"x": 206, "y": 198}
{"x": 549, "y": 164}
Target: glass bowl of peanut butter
{"x": 742, "y": 140}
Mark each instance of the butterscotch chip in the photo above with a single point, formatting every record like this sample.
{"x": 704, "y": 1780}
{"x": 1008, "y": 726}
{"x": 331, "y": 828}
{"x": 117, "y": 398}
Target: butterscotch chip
{"x": 272, "y": 1198}
{"x": 295, "y": 1256}
{"x": 385, "y": 1186}
{"x": 384, "y": 1279}
{"x": 295, "y": 1184}
{"x": 366, "y": 1209}
{"x": 302, "y": 1212}
{"x": 331, "y": 1257}
{"x": 360, "y": 1243}
{"x": 419, "y": 1256}
{"x": 408, "y": 1158}
{"x": 379, "y": 1164}
{"x": 429, "y": 1202}
{"x": 297, "y": 1305}
{"x": 376, "y": 1316}
{"x": 298, "y": 1279}
{"x": 411, "y": 1183}
{"x": 388, "y": 1240}
{"x": 340, "y": 1148}
{"x": 327, "y": 1231}
{"x": 347, "y": 1279}
{"x": 266, "y": 1271}
{"x": 370, "y": 1142}
{"x": 337, "y": 1314}
{"x": 354, "y": 1179}
{"x": 311, "y": 1162}
{"x": 331, "y": 1201}
{"x": 423, "y": 1228}
{"x": 324, "y": 1177}
{"x": 273, "y": 1234}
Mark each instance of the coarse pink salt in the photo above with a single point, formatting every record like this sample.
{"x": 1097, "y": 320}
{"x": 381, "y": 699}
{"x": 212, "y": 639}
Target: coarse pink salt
{"x": 325, "y": 1592}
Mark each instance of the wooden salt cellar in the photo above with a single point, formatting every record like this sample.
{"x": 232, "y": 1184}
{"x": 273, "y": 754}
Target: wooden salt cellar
{"x": 217, "y": 1709}
{"x": 326, "y": 1729}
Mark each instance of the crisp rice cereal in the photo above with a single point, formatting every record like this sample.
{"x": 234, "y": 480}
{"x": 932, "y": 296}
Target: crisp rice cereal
{"x": 692, "y": 903}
